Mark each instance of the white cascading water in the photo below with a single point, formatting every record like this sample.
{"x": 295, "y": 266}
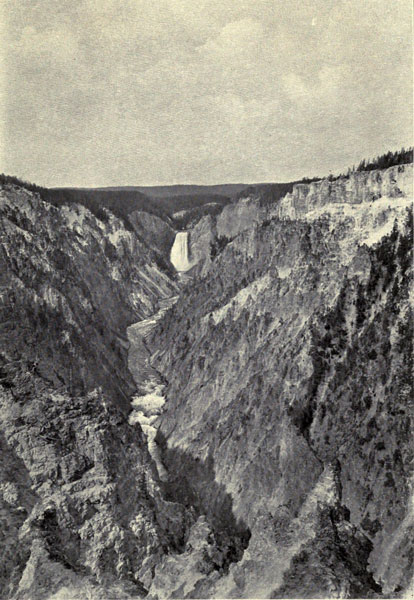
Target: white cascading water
{"x": 179, "y": 252}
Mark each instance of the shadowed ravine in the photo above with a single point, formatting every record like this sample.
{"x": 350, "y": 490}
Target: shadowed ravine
{"x": 149, "y": 401}
{"x": 185, "y": 480}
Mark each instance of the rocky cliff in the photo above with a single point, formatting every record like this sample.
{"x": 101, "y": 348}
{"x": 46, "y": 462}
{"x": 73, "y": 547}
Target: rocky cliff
{"x": 305, "y": 201}
{"x": 73, "y": 283}
{"x": 80, "y": 505}
{"x": 242, "y": 433}
{"x": 157, "y": 233}
{"x": 356, "y": 188}
{"x": 288, "y": 363}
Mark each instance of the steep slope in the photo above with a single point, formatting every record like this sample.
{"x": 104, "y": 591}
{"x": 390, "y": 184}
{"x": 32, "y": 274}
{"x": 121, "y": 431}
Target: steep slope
{"x": 73, "y": 283}
{"x": 355, "y": 189}
{"x": 156, "y": 233}
{"x": 243, "y": 432}
{"x": 290, "y": 201}
{"x": 288, "y": 361}
{"x": 81, "y": 508}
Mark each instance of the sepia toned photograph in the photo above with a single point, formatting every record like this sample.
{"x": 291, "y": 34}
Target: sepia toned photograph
{"x": 206, "y": 299}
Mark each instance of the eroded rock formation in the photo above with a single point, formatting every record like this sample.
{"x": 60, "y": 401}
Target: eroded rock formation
{"x": 78, "y": 488}
{"x": 294, "y": 354}
{"x": 248, "y": 437}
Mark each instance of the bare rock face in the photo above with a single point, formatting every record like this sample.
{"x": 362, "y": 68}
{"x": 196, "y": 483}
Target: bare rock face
{"x": 306, "y": 201}
{"x": 201, "y": 236}
{"x": 80, "y": 502}
{"x": 89, "y": 500}
{"x": 289, "y": 353}
{"x": 73, "y": 283}
{"x": 230, "y": 222}
{"x": 285, "y": 369}
{"x": 237, "y": 217}
{"x": 358, "y": 187}
{"x": 313, "y": 552}
{"x": 157, "y": 233}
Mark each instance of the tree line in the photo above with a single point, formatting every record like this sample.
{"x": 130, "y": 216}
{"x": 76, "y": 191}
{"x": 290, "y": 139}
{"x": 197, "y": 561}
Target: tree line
{"x": 389, "y": 159}
{"x": 383, "y": 161}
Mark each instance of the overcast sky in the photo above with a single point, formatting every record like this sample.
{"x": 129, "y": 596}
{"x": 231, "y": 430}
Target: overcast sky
{"x": 118, "y": 92}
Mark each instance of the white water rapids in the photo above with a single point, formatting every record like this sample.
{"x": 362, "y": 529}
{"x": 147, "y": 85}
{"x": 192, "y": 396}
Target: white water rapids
{"x": 148, "y": 404}
{"x": 179, "y": 252}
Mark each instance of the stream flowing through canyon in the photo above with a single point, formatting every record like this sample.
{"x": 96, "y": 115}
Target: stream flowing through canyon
{"x": 149, "y": 400}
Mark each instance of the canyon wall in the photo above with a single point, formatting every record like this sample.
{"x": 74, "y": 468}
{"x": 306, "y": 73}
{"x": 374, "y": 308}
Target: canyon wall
{"x": 284, "y": 359}
{"x": 155, "y": 232}
{"x": 82, "y": 514}
{"x": 73, "y": 283}
{"x": 306, "y": 201}
{"x": 358, "y": 187}
{"x": 288, "y": 361}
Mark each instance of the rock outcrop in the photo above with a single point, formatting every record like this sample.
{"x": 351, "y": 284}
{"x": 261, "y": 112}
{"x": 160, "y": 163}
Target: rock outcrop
{"x": 306, "y": 201}
{"x": 73, "y": 283}
{"x": 290, "y": 352}
{"x": 158, "y": 234}
{"x": 356, "y": 188}
{"x": 80, "y": 503}
{"x": 241, "y": 433}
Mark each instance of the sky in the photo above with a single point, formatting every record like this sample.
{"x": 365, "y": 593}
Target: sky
{"x": 152, "y": 92}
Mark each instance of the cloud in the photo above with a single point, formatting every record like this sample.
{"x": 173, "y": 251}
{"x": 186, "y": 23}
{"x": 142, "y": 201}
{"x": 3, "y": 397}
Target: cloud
{"x": 243, "y": 37}
{"x": 117, "y": 92}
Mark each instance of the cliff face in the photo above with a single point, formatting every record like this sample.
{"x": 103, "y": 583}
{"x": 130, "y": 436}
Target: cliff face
{"x": 288, "y": 364}
{"x": 73, "y": 283}
{"x": 268, "y": 450}
{"x": 231, "y": 221}
{"x": 358, "y": 187}
{"x": 306, "y": 201}
{"x": 157, "y": 233}
{"x": 79, "y": 497}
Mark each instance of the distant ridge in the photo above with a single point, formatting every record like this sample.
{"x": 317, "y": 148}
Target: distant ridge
{"x": 166, "y": 191}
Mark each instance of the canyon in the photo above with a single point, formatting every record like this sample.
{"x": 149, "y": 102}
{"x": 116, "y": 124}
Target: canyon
{"x": 216, "y": 412}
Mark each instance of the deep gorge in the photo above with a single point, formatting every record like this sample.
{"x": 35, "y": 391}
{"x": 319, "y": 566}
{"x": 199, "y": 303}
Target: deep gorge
{"x": 272, "y": 381}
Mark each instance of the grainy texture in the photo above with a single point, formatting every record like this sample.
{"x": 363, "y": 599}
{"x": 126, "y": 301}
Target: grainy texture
{"x": 240, "y": 431}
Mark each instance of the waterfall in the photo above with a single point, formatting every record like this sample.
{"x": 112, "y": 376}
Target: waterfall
{"x": 179, "y": 252}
